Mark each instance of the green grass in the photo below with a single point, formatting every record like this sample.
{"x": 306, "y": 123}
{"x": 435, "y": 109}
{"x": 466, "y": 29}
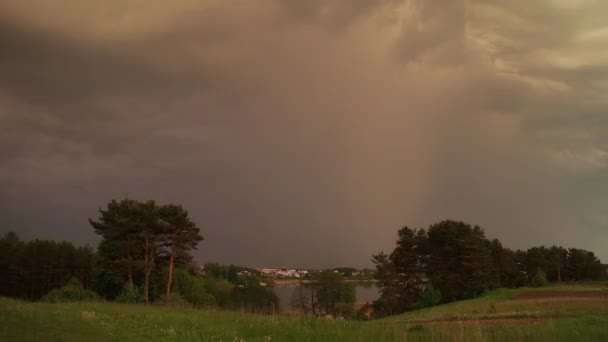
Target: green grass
{"x": 562, "y": 320}
{"x": 496, "y": 304}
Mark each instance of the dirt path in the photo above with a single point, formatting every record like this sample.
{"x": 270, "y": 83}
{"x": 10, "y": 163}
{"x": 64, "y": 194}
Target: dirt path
{"x": 306, "y": 281}
{"x": 488, "y": 321}
{"x": 561, "y": 294}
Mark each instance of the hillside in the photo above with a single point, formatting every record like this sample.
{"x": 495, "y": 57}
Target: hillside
{"x": 574, "y": 312}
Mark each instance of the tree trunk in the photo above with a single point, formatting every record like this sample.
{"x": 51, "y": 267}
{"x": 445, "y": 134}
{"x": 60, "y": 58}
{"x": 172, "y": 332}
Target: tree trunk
{"x": 148, "y": 270}
{"x": 312, "y": 300}
{"x": 130, "y": 270}
{"x": 146, "y": 285}
{"x": 50, "y": 279}
{"x": 171, "y": 262}
{"x": 559, "y": 274}
{"x": 302, "y": 298}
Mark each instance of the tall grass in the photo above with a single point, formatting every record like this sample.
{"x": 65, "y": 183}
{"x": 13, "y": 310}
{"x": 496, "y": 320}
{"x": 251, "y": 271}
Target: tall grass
{"x": 577, "y": 321}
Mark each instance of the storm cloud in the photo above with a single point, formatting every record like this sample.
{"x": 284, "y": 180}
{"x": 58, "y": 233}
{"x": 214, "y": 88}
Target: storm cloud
{"x": 305, "y": 133}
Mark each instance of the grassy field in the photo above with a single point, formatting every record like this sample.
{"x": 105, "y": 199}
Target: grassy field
{"x": 497, "y": 316}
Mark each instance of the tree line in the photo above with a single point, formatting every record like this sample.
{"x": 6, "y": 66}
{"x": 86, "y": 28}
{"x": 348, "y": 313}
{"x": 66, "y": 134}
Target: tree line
{"x": 453, "y": 260}
{"x": 144, "y": 256}
{"x": 29, "y": 270}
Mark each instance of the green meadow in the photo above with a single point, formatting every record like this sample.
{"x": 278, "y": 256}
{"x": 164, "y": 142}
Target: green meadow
{"x": 576, "y": 312}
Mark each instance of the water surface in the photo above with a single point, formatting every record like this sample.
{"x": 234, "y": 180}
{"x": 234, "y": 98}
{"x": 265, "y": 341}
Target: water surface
{"x": 364, "y": 292}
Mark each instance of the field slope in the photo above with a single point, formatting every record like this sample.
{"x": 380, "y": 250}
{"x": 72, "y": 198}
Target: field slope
{"x": 575, "y": 313}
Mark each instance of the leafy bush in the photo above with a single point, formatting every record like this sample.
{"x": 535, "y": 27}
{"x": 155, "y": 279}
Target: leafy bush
{"x": 130, "y": 294}
{"x": 197, "y": 294}
{"x": 106, "y": 283}
{"x": 360, "y": 316}
{"x": 193, "y": 289}
{"x": 72, "y": 292}
{"x": 429, "y": 297}
{"x": 182, "y": 281}
{"x": 221, "y": 290}
{"x": 346, "y": 310}
{"x": 539, "y": 279}
{"x": 472, "y": 293}
{"x": 254, "y": 298}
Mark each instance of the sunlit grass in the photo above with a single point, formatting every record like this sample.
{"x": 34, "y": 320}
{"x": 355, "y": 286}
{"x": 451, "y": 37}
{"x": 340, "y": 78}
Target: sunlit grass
{"x": 497, "y": 304}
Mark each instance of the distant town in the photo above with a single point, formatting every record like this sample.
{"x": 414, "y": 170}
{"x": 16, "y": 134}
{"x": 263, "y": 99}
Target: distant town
{"x": 283, "y": 273}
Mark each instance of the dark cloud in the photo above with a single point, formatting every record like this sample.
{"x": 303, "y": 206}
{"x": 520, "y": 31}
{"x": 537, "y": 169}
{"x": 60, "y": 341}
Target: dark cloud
{"x": 67, "y": 71}
{"x": 306, "y": 133}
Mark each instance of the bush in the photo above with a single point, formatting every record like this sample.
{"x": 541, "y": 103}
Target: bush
{"x": 472, "y": 293}
{"x": 106, "y": 283}
{"x": 429, "y": 297}
{"x": 192, "y": 289}
{"x": 221, "y": 290}
{"x": 346, "y": 310}
{"x": 182, "y": 281}
{"x": 539, "y": 279}
{"x": 197, "y": 294}
{"x": 254, "y": 298}
{"x": 130, "y": 294}
{"x": 360, "y": 316}
{"x": 72, "y": 292}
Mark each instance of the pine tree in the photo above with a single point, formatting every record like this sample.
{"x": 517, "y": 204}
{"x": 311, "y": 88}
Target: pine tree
{"x": 181, "y": 235}
{"x": 402, "y": 273}
{"x": 134, "y": 228}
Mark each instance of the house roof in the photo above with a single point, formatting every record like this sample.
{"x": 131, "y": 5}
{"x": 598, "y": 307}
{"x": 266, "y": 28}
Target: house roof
{"x": 367, "y": 308}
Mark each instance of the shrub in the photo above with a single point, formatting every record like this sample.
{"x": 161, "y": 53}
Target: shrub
{"x": 106, "y": 283}
{"x": 72, "y": 292}
{"x": 192, "y": 289}
{"x": 197, "y": 294}
{"x": 221, "y": 290}
{"x": 429, "y": 297}
{"x": 346, "y": 310}
{"x": 182, "y": 281}
{"x": 539, "y": 279}
{"x": 472, "y": 293}
{"x": 130, "y": 294}
{"x": 254, "y": 298}
{"x": 360, "y": 316}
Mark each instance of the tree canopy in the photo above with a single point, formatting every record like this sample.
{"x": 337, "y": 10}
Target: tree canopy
{"x": 137, "y": 236}
{"x": 326, "y": 294}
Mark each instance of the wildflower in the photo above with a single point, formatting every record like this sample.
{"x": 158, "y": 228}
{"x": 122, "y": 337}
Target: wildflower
{"x": 85, "y": 314}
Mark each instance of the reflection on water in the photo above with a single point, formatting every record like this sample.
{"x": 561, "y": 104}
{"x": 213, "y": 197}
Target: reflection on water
{"x": 364, "y": 292}
{"x": 367, "y": 292}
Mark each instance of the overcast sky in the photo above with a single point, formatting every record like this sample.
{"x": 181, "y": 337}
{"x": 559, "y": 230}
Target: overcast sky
{"x": 306, "y": 133}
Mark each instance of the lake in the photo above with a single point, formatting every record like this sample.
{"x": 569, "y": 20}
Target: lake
{"x": 364, "y": 292}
